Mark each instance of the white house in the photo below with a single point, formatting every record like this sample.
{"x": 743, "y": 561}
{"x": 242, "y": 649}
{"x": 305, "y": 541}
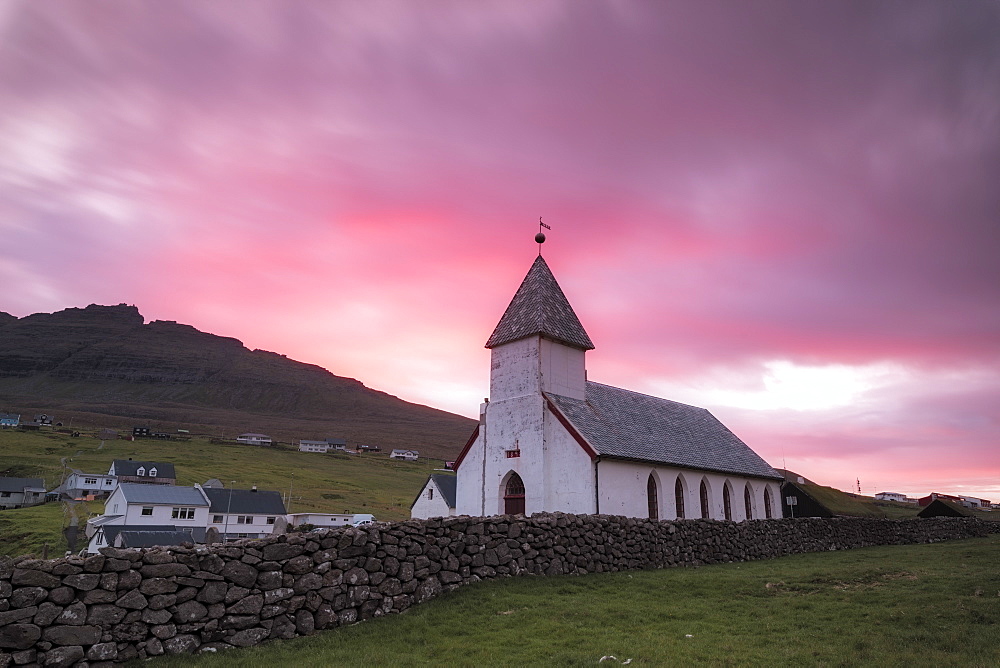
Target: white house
{"x": 328, "y": 520}
{"x": 314, "y": 446}
{"x": 137, "y": 505}
{"x": 80, "y": 485}
{"x": 254, "y": 439}
{"x": 894, "y": 496}
{"x": 21, "y": 492}
{"x": 551, "y": 440}
{"x": 243, "y": 513}
{"x": 408, "y": 455}
{"x": 436, "y": 499}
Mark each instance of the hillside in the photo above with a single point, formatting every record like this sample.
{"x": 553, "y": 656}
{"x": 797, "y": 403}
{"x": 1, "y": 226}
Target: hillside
{"x": 105, "y": 366}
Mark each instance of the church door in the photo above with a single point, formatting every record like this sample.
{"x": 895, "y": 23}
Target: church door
{"x": 513, "y": 497}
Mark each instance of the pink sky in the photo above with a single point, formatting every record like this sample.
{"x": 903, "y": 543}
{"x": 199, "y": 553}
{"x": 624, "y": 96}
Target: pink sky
{"x": 786, "y": 212}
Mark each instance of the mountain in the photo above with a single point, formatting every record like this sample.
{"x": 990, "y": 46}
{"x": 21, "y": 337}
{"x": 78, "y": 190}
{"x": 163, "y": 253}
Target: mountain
{"x": 105, "y": 365}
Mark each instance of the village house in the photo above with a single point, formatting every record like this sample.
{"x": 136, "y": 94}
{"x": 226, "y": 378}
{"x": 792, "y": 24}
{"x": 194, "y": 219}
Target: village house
{"x": 894, "y": 496}
{"x": 140, "y": 507}
{"x": 144, "y": 473}
{"x": 549, "y": 439}
{"x": 254, "y": 439}
{"x": 314, "y": 446}
{"x": 436, "y": 499}
{"x": 244, "y": 513}
{"x": 9, "y": 420}
{"x": 89, "y": 486}
{"x": 21, "y": 492}
{"x": 407, "y": 455}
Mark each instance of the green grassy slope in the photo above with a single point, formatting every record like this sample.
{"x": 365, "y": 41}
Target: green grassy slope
{"x": 842, "y": 503}
{"x": 370, "y": 483}
{"x": 919, "y": 605}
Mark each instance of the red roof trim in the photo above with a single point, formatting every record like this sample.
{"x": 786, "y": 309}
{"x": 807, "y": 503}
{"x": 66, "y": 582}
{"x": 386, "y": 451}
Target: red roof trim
{"x": 577, "y": 436}
{"x": 465, "y": 450}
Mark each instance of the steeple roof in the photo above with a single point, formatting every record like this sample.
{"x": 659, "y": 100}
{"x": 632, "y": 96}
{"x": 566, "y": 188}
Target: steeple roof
{"x": 540, "y": 307}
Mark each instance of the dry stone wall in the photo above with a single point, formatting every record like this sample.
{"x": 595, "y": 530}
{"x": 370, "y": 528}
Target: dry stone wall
{"x": 126, "y": 604}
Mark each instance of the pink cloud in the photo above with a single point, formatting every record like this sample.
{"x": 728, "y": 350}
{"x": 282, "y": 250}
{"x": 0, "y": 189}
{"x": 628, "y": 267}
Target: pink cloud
{"x": 356, "y": 186}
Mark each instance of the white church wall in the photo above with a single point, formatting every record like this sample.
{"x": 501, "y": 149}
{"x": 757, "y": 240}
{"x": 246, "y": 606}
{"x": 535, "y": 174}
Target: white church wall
{"x": 570, "y": 487}
{"x": 514, "y": 370}
{"x": 469, "y": 483}
{"x": 563, "y": 370}
{"x": 430, "y": 503}
{"x": 622, "y": 487}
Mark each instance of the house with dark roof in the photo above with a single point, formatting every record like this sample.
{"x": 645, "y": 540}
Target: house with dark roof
{"x": 143, "y": 473}
{"x": 21, "y": 492}
{"x": 436, "y": 499}
{"x": 9, "y": 420}
{"x": 139, "y": 505}
{"x": 549, "y": 439}
{"x": 243, "y": 513}
{"x": 143, "y": 535}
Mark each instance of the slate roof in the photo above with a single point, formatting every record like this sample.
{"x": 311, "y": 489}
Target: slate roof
{"x": 540, "y": 307}
{"x": 148, "y": 535}
{"x": 129, "y": 467}
{"x": 245, "y": 502}
{"x": 20, "y": 484}
{"x": 630, "y": 425}
{"x": 138, "y": 493}
{"x": 446, "y": 484}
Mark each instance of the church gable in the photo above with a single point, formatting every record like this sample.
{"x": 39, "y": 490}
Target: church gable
{"x": 630, "y": 425}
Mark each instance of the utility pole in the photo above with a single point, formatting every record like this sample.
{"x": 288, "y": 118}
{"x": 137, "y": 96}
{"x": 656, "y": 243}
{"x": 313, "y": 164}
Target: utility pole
{"x": 229, "y": 506}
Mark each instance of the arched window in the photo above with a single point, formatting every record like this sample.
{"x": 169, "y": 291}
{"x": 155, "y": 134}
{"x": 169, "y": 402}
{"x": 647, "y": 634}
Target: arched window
{"x": 705, "y": 514}
{"x": 727, "y": 506}
{"x": 652, "y": 505}
{"x": 767, "y": 503}
{"x": 748, "y": 501}
{"x": 679, "y": 497}
{"x": 513, "y": 497}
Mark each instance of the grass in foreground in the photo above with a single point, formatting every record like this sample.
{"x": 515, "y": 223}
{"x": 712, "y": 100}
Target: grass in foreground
{"x": 922, "y": 605}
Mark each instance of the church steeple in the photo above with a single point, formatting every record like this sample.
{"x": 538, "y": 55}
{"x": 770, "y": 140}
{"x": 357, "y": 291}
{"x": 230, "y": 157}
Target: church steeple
{"x": 539, "y": 307}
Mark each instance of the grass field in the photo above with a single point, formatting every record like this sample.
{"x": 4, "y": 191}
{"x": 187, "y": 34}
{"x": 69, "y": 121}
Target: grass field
{"x": 332, "y": 483}
{"x": 922, "y": 605}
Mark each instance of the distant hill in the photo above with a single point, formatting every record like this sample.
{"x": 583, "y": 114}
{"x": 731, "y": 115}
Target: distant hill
{"x": 106, "y": 366}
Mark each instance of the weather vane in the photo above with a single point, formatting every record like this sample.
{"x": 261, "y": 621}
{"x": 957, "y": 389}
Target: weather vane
{"x": 540, "y": 237}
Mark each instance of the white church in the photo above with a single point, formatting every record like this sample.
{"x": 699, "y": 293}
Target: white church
{"x": 550, "y": 440}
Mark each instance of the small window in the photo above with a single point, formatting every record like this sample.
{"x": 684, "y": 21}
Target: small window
{"x": 430, "y": 494}
{"x": 244, "y": 519}
{"x": 679, "y": 497}
{"x": 147, "y": 511}
{"x": 270, "y": 520}
{"x": 216, "y": 519}
{"x": 100, "y": 538}
{"x": 652, "y": 506}
{"x": 90, "y": 481}
{"x": 242, "y": 535}
{"x": 182, "y": 513}
{"x": 7, "y": 495}
{"x": 767, "y": 503}
{"x": 108, "y": 481}
{"x": 703, "y": 493}
{"x": 115, "y": 509}
{"x": 748, "y": 501}
{"x": 152, "y": 472}
{"x": 140, "y": 471}
{"x": 727, "y": 505}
